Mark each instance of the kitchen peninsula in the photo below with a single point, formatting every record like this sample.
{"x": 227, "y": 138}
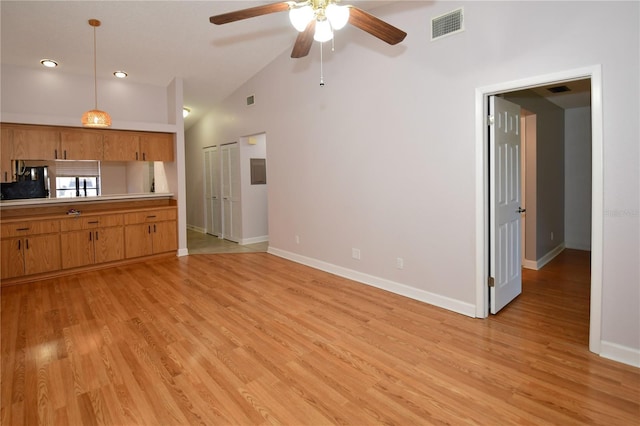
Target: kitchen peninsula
{"x": 43, "y": 238}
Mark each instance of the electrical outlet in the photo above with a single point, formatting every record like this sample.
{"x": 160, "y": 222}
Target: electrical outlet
{"x": 355, "y": 253}
{"x": 400, "y": 263}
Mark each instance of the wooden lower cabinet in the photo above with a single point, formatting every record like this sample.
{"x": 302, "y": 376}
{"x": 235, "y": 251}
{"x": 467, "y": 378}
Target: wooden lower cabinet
{"x": 150, "y": 232}
{"x": 91, "y": 240}
{"x": 28, "y": 255}
{"x": 59, "y": 244}
{"x": 89, "y": 247}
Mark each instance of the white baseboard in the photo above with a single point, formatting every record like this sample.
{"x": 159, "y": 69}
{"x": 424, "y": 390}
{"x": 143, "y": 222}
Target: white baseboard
{"x": 196, "y": 228}
{"x": 620, "y": 353}
{"x": 183, "y": 252}
{"x": 381, "y": 283}
{"x": 586, "y": 246}
{"x": 253, "y": 240}
{"x": 538, "y": 264}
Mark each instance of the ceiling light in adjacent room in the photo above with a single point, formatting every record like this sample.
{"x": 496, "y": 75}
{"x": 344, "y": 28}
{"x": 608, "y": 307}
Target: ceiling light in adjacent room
{"x": 120, "y": 74}
{"x": 49, "y": 63}
{"x": 185, "y": 111}
{"x": 95, "y": 117}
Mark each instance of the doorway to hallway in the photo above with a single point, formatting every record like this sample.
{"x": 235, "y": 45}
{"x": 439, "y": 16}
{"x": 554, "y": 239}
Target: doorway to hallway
{"x": 593, "y": 74}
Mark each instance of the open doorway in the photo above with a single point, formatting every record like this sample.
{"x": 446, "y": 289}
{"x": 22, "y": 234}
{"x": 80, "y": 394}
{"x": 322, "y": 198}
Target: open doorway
{"x": 596, "y": 196}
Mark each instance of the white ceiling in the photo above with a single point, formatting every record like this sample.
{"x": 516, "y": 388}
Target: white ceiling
{"x": 154, "y": 41}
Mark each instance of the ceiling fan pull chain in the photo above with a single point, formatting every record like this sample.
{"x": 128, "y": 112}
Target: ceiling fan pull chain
{"x": 321, "y": 68}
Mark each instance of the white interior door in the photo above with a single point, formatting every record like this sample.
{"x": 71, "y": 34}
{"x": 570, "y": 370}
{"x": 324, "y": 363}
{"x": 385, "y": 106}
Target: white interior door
{"x": 231, "y": 209}
{"x": 212, "y": 191}
{"x": 505, "y": 198}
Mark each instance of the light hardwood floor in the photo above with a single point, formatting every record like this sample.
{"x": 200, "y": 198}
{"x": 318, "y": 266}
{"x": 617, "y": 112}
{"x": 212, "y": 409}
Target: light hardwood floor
{"x": 252, "y": 339}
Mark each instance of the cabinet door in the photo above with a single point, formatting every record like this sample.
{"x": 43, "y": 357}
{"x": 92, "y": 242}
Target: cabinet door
{"x": 137, "y": 240}
{"x": 121, "y": 146}
{"x": 156, "y": 146}
{"x": 12, "y": 264}
{"x": 36, "y": 143}
{"x": 77, "y": 248}
{"x": 6, "y": 155}
{"x": 41, "y": 253}
{"x": 109, "y": 244}
{"x": 80, "y": 144}
{"x": 164, "y": 237}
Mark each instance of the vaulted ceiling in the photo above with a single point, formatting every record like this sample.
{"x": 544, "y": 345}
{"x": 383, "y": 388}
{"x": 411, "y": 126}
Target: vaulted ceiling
{"x": 153, "y": 41}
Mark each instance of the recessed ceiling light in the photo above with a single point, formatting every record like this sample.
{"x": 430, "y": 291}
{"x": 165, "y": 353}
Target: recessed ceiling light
{"x": 49, "y": 63}
{"x": 120, "y": 74}
{"x": 185, "y": 111}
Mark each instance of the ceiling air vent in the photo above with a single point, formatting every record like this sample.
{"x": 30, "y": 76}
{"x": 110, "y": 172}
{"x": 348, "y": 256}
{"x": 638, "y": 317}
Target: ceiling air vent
{"x": 251, "y": 100}
{"x": 447, "y": 24}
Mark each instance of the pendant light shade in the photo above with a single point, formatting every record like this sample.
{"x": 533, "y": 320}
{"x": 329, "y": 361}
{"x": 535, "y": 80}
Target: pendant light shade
{"x": 95, "y": 117}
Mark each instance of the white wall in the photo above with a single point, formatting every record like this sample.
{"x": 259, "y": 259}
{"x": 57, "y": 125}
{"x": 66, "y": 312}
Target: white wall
{"x": 255, "y": 227}
{"x": 577, "y": 213}
{"x": 382, "y": 158}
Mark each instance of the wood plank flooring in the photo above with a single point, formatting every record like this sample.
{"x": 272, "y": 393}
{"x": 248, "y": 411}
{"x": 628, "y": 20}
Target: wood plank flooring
{"x": 252, "y": 339}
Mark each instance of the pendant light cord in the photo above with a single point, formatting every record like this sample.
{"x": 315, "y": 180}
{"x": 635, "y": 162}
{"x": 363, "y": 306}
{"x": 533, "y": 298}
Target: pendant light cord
{"x": 95, "y": 72}
{"x": 321, "y": 68}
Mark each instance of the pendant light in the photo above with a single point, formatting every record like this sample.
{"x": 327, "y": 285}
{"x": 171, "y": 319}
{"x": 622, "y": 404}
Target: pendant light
{"x": 95, "y": 117}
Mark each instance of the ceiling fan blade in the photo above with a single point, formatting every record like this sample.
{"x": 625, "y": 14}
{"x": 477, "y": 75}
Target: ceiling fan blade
{"x": 375, "y": 26}
{"x": 252, "y": 12}
{"x": 304, "y": 41}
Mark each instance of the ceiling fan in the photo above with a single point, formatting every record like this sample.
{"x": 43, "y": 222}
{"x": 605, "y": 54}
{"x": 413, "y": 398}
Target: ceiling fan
{"x": 316, "y": 20}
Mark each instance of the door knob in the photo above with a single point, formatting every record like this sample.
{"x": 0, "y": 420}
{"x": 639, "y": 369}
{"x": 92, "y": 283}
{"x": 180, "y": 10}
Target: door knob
{"x": 521, "y": 210}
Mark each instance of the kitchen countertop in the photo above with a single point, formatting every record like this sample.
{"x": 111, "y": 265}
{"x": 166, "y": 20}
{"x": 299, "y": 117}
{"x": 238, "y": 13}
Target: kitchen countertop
{"x": 75, "y": 200}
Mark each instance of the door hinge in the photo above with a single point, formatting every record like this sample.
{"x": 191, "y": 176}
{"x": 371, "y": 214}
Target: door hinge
{"x": 490, "y": 120}
{"x": 491, "y": 281}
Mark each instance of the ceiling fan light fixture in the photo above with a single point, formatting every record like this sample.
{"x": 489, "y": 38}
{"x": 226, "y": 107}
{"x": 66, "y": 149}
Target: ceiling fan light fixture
{"x": 323, "y": 31}
{"x": 300, "y": 17}
{"x": 337, "y": 15}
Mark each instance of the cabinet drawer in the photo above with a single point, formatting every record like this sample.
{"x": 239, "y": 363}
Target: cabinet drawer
{"x": 148, "y": 216}
{"x": 90, "y": 222}
{"x": 18, "y": 229}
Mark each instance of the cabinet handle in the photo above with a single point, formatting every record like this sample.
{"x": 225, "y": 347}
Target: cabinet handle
{"x": 65, "y": 154}
{"x": 22, "y": 229}
{"x": 90, "y": 235}
{"x": 149, "y": 229}
{"x": 96, "y": 235}
{"x": 27, "y": 245}
{"x": 151, "y": 217}
{"x": 19, "y": 244}
{"x": 93, "y": 222}
{"x": 136, "y": 156}
{"x": 55, "y": 154}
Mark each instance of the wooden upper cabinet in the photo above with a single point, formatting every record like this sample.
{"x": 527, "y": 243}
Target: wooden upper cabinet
{"x": 121, "y": 146}
{"x": 156, "y": 146}
{"x": 6, "y": 155}
{"x": 80, "y": 144}
{"x": 36, "y": 143}
{"x": 33, "y": 142}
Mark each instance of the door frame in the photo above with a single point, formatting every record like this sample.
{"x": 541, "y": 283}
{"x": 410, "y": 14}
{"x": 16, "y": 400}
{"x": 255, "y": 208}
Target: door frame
{"x": 594, "y": 73}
